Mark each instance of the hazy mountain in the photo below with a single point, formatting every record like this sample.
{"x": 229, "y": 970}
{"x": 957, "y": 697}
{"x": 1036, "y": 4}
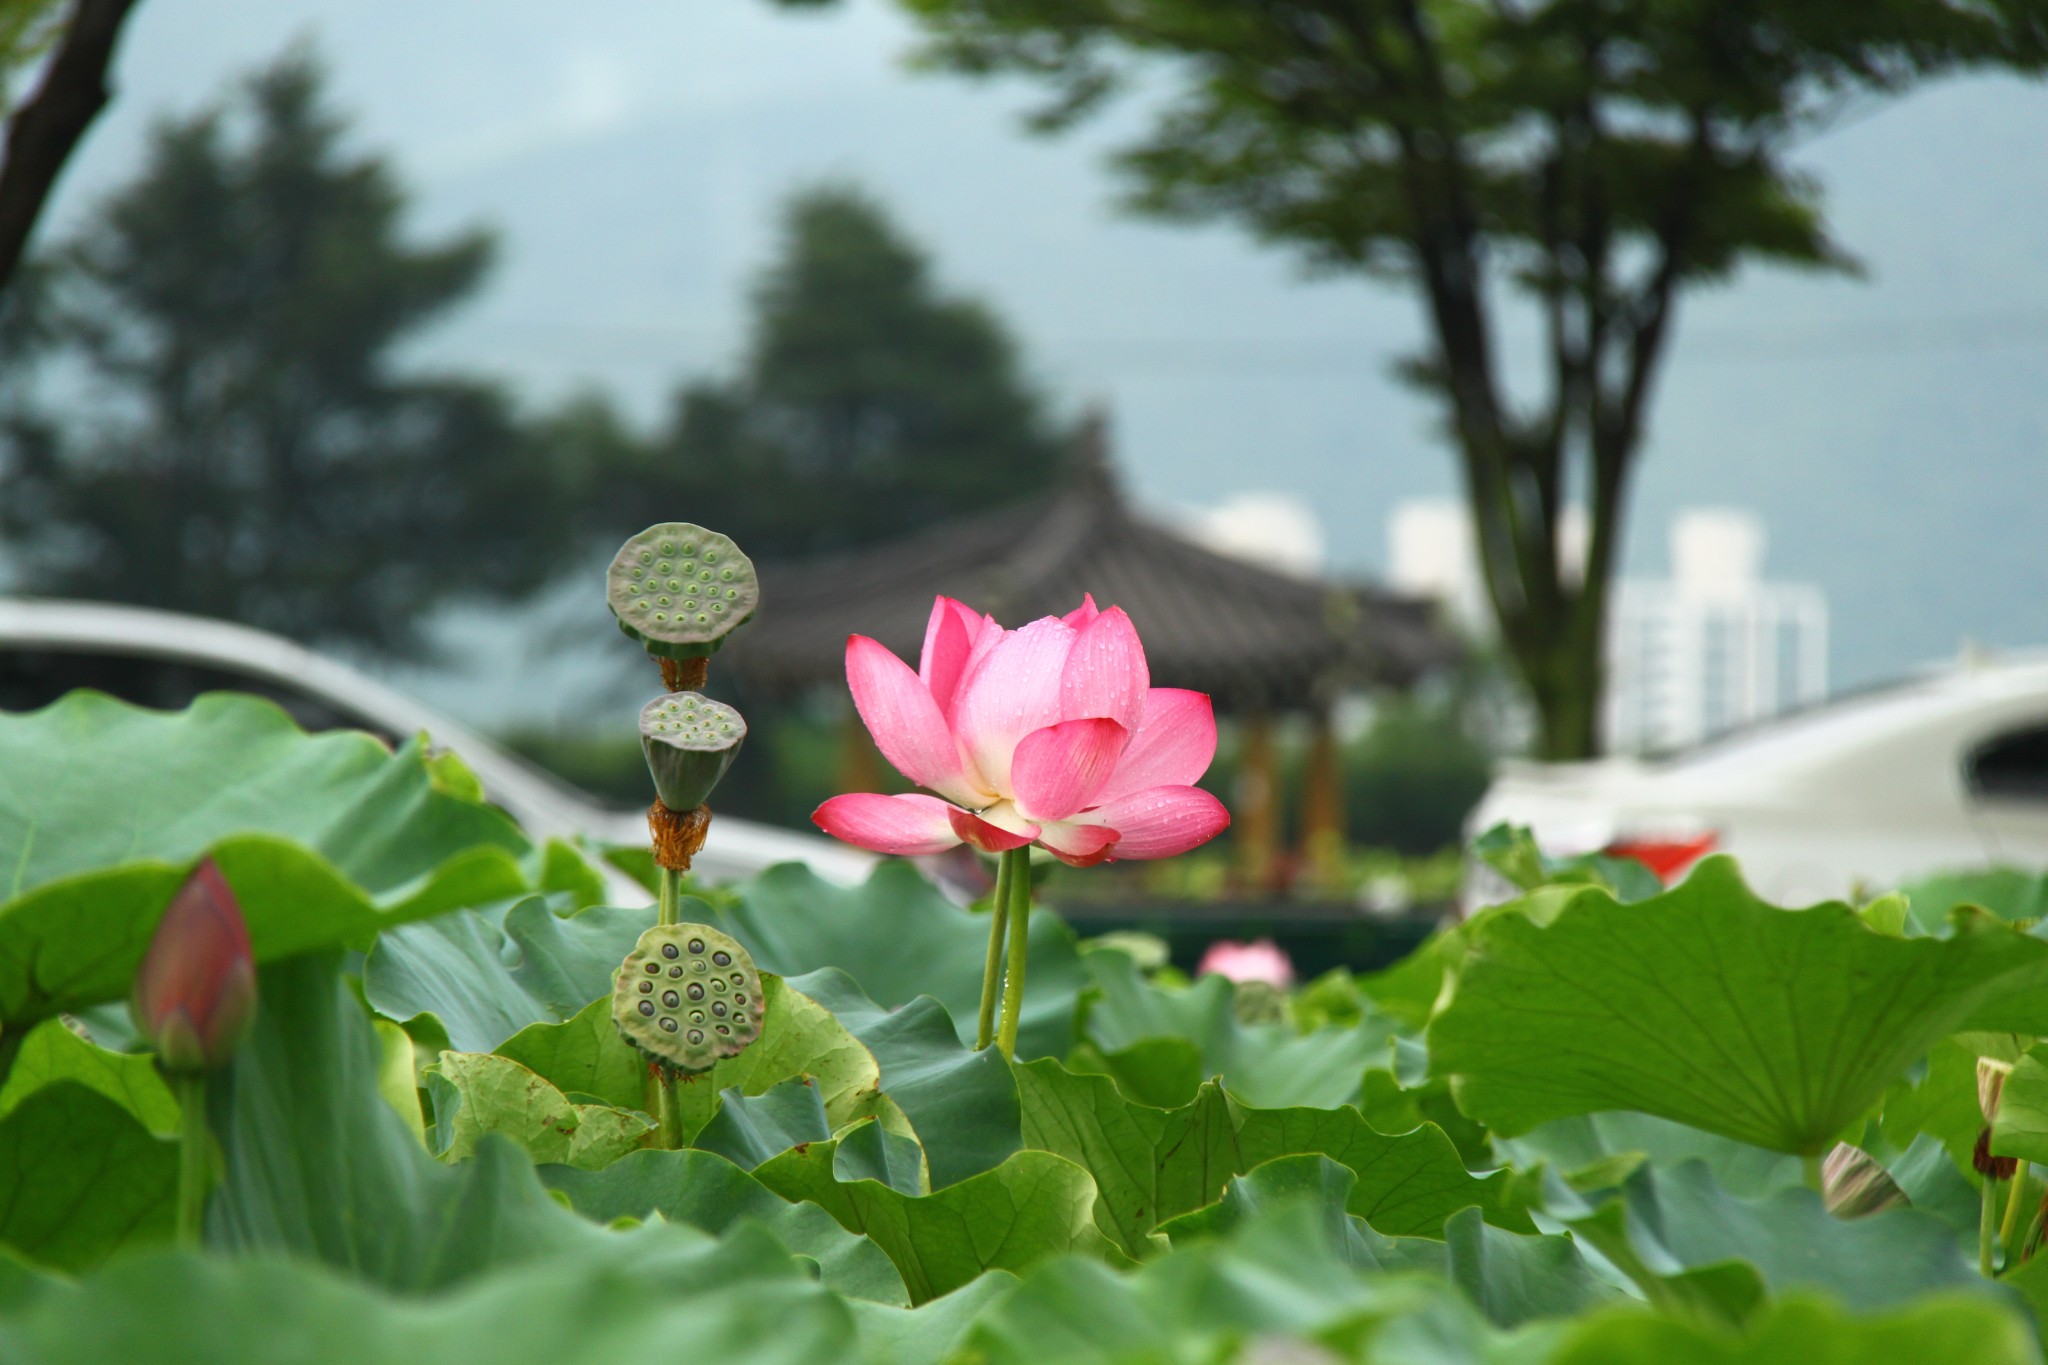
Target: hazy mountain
{"x": 1893, "y": 432}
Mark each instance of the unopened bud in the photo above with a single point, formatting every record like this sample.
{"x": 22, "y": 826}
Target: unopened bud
{"x": 1991, "y": 1086}
{"x": 1853, "y": 1184}
{"x": 195, "y": 993}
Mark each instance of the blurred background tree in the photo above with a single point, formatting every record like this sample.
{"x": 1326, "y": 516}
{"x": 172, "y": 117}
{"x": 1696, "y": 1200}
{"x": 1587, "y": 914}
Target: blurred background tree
{"x": 870, "y": 402}
{"x": 230, "y": 321}
{"x": 1598, "y": 157}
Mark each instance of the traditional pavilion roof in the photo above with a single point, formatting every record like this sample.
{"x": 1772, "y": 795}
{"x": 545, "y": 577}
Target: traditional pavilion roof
{"x": 1249, "y": 637}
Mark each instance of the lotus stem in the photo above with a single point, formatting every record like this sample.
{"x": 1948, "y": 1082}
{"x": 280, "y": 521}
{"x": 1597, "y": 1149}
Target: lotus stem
{"x": 1816, "y": 1181}
{"x": 1987, "y": 1229}
{"x": 194, "y": 1159}
{"x": 992, "y": 970}
{"x": 2011, "y": 1224}
{"x": 669, "y": 911}
{"x": 1019, "y": 860}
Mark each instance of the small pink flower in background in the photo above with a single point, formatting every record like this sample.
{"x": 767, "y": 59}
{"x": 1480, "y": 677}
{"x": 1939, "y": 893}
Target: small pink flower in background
{"x": 1051, "y": 734}
{"x": 1242, "y": 962}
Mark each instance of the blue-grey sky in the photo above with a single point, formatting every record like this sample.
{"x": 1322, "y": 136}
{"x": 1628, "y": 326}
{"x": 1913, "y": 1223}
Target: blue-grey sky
{"x": 1893, "y": 432}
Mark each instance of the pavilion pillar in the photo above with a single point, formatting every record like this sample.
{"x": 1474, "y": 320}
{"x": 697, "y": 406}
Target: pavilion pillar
{"x": 1323, "y": 845}
{"x": 1255, "y": 819}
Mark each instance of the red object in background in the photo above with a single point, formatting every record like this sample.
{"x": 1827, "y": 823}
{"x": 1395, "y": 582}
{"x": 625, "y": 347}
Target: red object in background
{"x": 1665, "y": 857}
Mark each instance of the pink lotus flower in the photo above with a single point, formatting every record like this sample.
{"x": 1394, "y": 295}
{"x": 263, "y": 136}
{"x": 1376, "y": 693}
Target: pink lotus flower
{"x": 1051, "y": 734}
{"x": 1242, "y": 962}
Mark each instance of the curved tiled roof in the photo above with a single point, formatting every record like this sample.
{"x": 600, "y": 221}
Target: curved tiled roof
{"x": 1246, "y": 635}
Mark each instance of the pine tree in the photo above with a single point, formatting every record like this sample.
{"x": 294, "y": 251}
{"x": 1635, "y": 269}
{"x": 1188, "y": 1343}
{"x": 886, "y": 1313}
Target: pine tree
{"x": 224, "y": 429}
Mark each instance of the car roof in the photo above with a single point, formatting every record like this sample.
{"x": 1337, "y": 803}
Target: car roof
{"x": 1930, "y": 697}
{"x": 543, "y": 802}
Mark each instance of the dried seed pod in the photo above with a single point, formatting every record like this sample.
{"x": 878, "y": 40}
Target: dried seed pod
{"x": 1991, "y": 1085}
{"x": 689, "y": 741}
{"x": 1853, "y": 1184}
{"x": 687, "y": 996}
{"x": 680, "y": 590}
{"x": 1996, "y": 1167}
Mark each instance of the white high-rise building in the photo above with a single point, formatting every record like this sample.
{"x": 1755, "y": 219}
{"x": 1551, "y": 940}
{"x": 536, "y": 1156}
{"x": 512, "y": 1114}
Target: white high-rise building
{"x": 1710, "y": 648}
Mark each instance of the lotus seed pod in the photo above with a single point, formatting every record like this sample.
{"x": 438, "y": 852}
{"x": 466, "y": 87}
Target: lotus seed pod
{"x": 680, "y": 590}
{"x": 690, "y": 740}
{"x": 687, "y": 996}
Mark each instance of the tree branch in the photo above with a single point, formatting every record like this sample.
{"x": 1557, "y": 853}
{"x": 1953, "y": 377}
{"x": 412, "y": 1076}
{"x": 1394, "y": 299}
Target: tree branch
{"x": 44, "y": 131}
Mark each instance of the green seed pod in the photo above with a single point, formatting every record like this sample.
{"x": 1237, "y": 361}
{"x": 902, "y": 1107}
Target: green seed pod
{"x": 690, "y": 740}
{"x": 687, "y": 996}
{"x": 680, "y": 590}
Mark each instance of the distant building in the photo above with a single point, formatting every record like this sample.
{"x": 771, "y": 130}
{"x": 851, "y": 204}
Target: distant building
{"x": 1708, "y": 649}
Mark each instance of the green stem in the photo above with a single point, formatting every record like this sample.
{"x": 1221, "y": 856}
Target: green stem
{"x": 1812, "y": 1166}
{"x": 992, "y": 970}
{"x": 1020, "y": 937}
{"x": 670, "y": 911}
{"x": 671, "y": 905}
{"x": 671, "y": 1112}
{"x": 2011, "y": 1224}
{"x": 1987, "y": 1228}
{"x": 195, "y": 1165}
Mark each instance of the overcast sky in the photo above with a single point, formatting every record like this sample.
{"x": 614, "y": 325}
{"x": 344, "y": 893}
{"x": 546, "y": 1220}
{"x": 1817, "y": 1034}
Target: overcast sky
{"x": 1892, "y": 432}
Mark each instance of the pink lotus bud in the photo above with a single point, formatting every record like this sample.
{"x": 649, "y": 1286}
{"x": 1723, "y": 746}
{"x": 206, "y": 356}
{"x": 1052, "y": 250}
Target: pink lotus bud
{"x": 1241, "y": 962}
{"x": 195, "y": 993}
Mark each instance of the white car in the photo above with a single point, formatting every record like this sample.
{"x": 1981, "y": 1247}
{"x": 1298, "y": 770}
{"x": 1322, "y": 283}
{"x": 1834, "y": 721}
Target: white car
{"x": 1946, "y": 771}
{"x": 163, "y": 659}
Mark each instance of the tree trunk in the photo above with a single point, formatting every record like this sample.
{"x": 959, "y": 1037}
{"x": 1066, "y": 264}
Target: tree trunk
{"x": 43, "y": 132}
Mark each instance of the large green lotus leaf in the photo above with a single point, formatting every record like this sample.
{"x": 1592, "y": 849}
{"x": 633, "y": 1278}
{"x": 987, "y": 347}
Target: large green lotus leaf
{"x": 704, "y": 1190}
{"x": 931, "y": 1332}
{"x": 1941, "y": 1102}
{"x": 1264, "y": 1064}
{"x": 2021, "y": 1128}
{"x": 963, "y": 1103}
{"x": 2006, "y": 892}
{"x": 476, "y": 1093}
{"x": 1152, "y": 1164}
{"x": 1511, "y": 1277}
{"x": 81, "y": 1178}
{"x": 1682, "y": 1218}
{"x": 319, "y": 1165}
{"x": 1591, "y": 1143}
{"x": 658, "y": 1294}
{"x": 90, "y": 783}
{"x": 1705, "y": 1005}
{"x": 76, "y": 942}
{"x": 583, "y": 1055}
{"x": 1952, "y": 1329}
{"x": 53, "y": 1052}
{"x": 799, "y": 1037}
{"x": 487, "y": 974}
{"x": 899, "y": 938}
{"x": 1032, "y": 1206}
{"x": 1278, "y": 1277}
{"x": 1407, "y": 1182}
{"x": 749, "y": 1129}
